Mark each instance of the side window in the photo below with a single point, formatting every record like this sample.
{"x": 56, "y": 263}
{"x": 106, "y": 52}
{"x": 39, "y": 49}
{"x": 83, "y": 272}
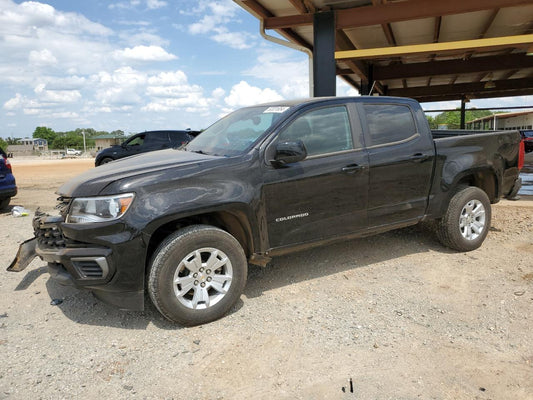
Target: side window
{"x": 326, "y": 130}
{"x": 157, "y": 138}
{"x": 179, "y": 138}
{"x": 389, "y": 123}
{"x": 136, "y": 141}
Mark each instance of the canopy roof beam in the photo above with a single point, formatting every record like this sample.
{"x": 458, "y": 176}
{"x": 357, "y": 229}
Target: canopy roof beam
{"x": 462, "y": 88}
{"x": 429, "y": 48}
{"x": 452, "y": 67}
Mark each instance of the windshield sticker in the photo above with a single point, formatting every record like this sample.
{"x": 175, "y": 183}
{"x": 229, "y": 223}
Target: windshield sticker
{"x": 277, "y": 110}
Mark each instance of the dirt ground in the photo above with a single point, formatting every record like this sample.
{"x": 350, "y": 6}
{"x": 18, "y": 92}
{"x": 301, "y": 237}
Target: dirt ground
{"x": 394, "y": 316}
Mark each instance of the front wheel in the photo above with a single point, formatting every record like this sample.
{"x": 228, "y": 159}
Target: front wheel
{"x": 4, "y": 203}
{"x": 466, "y": 223}
{"x": 105, "y": 160}
{"x": 197, "y": 274}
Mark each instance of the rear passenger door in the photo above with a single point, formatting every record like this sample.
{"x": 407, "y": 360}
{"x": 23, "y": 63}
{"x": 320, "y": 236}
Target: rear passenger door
{"x": 326, "y": 194}
{"x": 401, "y": 163}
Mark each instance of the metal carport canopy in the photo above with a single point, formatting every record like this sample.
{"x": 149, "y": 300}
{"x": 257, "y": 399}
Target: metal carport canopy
{"x": 425, "y": 49}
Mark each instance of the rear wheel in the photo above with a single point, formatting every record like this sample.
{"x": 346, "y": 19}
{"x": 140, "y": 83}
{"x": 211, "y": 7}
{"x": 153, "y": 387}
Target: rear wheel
{"x": 466, "y": 223}
{"x": 197, "y": 274}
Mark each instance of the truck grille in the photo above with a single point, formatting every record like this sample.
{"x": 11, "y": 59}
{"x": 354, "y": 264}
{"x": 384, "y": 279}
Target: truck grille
{"x": 50, "y": 237}
{"x": 47, "y": 232}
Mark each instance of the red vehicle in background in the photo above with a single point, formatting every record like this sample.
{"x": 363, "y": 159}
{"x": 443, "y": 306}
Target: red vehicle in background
{"x": 527, "y": 137}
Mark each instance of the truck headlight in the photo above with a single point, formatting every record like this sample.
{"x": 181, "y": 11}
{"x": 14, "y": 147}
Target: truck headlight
{"x": 99, "y": 209}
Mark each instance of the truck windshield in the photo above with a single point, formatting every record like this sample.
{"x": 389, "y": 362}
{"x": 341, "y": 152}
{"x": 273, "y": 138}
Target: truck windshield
{"x": 236, "y": 132}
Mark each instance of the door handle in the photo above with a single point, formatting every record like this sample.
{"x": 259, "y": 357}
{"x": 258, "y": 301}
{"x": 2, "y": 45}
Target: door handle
{"x": 350, "y": 169}
{"x": 418, "y": 157}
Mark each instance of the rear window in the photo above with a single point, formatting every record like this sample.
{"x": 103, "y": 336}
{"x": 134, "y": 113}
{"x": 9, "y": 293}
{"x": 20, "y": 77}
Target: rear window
{"x": 389, "y": 123}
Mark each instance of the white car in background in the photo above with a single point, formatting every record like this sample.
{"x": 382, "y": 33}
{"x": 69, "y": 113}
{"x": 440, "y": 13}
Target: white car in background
{"x": 72, "y": 152}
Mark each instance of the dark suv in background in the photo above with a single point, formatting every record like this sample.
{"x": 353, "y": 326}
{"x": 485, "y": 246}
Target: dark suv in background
{"x": 144, "y": 142}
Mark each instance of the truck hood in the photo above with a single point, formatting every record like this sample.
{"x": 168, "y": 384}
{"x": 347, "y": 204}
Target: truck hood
{"x": 92, "y": 182}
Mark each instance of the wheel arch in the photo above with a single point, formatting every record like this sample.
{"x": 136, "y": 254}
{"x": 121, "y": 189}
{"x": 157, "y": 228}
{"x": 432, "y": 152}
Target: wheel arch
{"x": 233, "y": 222}
{"x": 484, "y": 179}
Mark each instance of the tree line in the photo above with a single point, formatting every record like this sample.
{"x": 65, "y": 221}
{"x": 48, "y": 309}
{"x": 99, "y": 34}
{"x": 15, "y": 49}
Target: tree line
{"x": 453, "y": 118}
{"x": 62, "y": 140}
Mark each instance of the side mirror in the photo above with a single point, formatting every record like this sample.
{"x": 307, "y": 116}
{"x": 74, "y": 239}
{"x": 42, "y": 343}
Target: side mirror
{"x": 289, "y": 152}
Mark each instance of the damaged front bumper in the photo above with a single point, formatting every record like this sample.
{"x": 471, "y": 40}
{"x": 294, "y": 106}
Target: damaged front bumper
{"x": 25, "y": 255}
{"x": 87, "y": 256}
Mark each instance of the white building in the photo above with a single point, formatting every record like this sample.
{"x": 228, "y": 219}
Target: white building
{"x": 506, "y": 121}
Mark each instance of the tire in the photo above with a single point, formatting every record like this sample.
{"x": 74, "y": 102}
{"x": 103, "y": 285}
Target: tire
{"x": 4, "y": 203}
{"x": 181, "y": 283}
{"x": 466, "y": 223}
{"x": 105, "y": 160}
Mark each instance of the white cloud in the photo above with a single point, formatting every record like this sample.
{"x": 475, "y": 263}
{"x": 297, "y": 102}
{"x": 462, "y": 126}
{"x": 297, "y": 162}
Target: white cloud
{"x": 236, "y": 40}
{"x": 168, "y": 78}
{"x": 122, "y": 87}
{"x": 172, "y": 91}
{"x": 33, "y": 17}
{"x": 143, "y": 53}
{"x": 134, "y": 37}
{"x": 154, "y": 4}
{"x": 216, "y": 17}
{"x": 56, "y": 96}
{"x": 118, "y": 96}
{"x": 218, "y": 93}
{"x": 42, "y": 58}
{"x": 131, "y": 4}
{"x": 126, "y": 5}
{"x": 32, "y": 111}
{"x": 343, "y": 89}
{"x": 65, "y": 115}
{"x": 286, "y": 70}
{"x": 242, "y": 94}
{"x": 37, "y": 36}
{"x": 72, "y": 82}
{"x": 15, "y": 102}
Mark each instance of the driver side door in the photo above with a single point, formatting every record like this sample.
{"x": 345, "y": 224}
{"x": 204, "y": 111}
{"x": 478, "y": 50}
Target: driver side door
{"x": 325, "y": 195}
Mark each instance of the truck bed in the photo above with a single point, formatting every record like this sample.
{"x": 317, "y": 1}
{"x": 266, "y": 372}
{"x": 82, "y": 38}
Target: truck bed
{"x": 487, "y": 154}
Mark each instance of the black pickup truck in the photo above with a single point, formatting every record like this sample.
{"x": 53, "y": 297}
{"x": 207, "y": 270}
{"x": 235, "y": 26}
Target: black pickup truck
{"x": 182, "y": 225}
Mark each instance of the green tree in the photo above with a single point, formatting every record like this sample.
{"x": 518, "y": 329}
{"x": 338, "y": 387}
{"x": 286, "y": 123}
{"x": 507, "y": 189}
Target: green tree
{"x": 3, "y": 144}
{"x": 431, "y": 121}
{"x": 68, "y": 139}
{"x": 453, "y": 118}
{"x": 42, "y": 132}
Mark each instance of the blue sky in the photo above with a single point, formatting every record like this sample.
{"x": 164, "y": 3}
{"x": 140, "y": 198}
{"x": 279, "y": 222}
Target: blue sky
{"x": 138, "y": 65}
